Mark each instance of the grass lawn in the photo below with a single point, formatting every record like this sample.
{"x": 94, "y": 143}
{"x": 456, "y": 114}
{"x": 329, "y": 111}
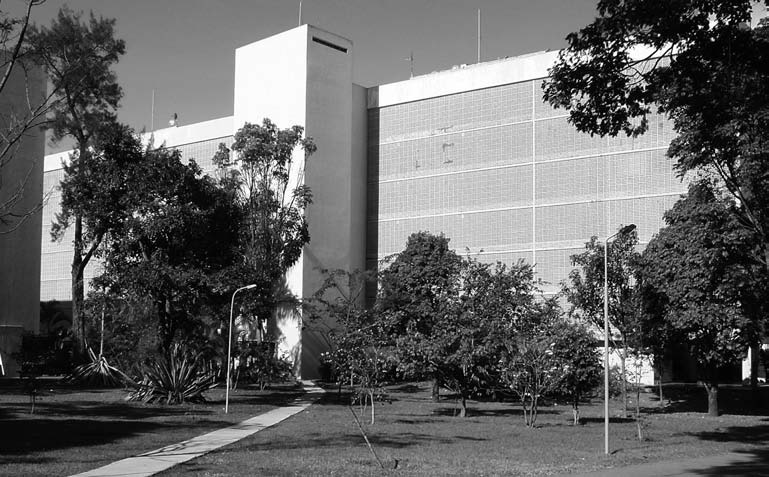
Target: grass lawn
{"x": 426, "y": 438}
{"x": 74, "y": 430}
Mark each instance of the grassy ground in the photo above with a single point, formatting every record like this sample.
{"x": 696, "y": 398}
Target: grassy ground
{"x": 426, "y": 439}
{"x": 74, "y": 430}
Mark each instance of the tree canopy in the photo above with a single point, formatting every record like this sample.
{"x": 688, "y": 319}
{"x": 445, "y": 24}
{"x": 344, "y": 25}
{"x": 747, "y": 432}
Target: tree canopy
{"x": 696, "y": 277}
{"x": 698, "y": 62}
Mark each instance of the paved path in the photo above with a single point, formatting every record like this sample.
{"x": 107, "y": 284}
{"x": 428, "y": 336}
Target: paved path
{"x": 161, "y": 459}
{"x": 731, "y": 464}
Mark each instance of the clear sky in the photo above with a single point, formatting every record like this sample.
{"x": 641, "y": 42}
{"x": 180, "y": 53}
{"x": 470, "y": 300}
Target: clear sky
{"x": 184, "y": 49}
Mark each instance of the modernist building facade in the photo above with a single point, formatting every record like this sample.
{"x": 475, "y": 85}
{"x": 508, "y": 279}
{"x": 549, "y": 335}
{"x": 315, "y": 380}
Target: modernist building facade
{"x": 22, "y": 174}
{"x": 472, "y": 152}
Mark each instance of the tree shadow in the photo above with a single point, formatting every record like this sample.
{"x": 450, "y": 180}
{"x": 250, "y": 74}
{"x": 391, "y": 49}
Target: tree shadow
{"x": 473, "y": 412}
{"x": 612, "y": 420}
{"x": 692, "y": 398}
{"x": 25, "y": 436}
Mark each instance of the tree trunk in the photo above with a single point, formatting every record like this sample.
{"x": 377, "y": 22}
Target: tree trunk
{"x": 371, "y": 396}
{"x": 712, "y": 390}
{"x": 623, "y": 372}
{"x": 575, "y": 409}
{"x": 78, "y": 325}
{"x": 436, "y": 392}
{"x": 463, "y": 410}
{"x": 755, "y": 353}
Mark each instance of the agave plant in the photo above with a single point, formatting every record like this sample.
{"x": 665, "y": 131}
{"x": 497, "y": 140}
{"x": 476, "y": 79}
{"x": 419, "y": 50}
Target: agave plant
{"x": 178, "y": 377}
{"x": 98, "y": 372}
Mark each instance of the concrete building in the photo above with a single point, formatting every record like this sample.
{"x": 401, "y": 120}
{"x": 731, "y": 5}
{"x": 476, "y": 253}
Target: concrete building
{"x": 472, "y": 152}
{"x": 22, "y": 173}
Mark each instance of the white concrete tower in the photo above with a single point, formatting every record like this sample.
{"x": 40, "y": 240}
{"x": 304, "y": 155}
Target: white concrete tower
{"x": 304, "y": 77}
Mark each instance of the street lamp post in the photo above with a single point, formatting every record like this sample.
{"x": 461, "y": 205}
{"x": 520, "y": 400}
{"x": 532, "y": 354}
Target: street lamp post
{"x": 229, "y": 348}
{"x": 623, "y": 230}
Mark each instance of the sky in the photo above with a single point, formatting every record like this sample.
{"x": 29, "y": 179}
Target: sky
{"x": 185, "y": 49}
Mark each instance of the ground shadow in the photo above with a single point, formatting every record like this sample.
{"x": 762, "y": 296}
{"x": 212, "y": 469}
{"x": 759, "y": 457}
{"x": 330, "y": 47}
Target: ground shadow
{"x": 732, "y": 399}
{"x": 756, "y": 463}
{"x": 24, "y": 436}
{"x": 612, "y": 420}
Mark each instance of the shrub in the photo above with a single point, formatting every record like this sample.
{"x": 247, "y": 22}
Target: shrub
{"x": 177, "y": 377}
{"x": 258, "y": 363}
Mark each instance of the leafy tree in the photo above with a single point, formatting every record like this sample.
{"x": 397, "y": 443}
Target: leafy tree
{"x": 175, "y": 243}
{"x": 582, "y": 368}
{"x": 585, "y": 292}
{"x": 703, "y": 66}
{"x": 416, "y": 291}
{"x": 528, "y": 364}
{"x": 696, "y": 272}
{"x": 78, "y": 57}
{"x": 19, "y": 118}
{"x": 359, "y": 349}
{"x": 261, "y": 170}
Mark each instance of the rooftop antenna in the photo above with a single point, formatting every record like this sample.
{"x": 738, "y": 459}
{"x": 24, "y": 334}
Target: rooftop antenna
{"x": 410, "y": 59}
{"x": 479, "y": 35}
{"x": 152, "y": 119}
{"x": 300, "y": 13}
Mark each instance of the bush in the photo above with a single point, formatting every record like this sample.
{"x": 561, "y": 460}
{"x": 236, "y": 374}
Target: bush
{"x": 259, "y": 363}
{"x": 50, "y": 354}
{"x": 615, "y": 383}
{"x": 178, "y": 377}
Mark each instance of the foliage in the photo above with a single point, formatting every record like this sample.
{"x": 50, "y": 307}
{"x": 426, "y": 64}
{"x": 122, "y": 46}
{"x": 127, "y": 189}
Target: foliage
{"x": 259, "y": 363}
{"x": 98, "y": 372}
{"x": 260, "y": 170}
{"x": 466, "y": 343}
{"x": 529, "y": 366}
{"x": 176, "y": 377}
{"x": 694, "y": 276}
{"x": 174, "y": 245}
{"x": 417, "y": 290}
{"x": 581, "y": 364}
{"x": 361, "y": 352}
{"x": 584, "y": 291}
{"x": 49, "y": 354}
{"x": 704, "y": 66}
{"x": 78, "y": 57}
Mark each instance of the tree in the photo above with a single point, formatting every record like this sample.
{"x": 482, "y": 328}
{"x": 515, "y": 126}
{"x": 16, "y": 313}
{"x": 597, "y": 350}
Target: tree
{"x": 703, "y": 67}
{"x": 696, "y": 273}
{"x": 585, "y": 292}
{"x": 24, "y": 111}
{"x": 78, "y": 57}
{"x": 582, "y": 368}
{"x": 176, "y": 243}
{"x": 417, "y": 290}
{"x": 528, "y": 364}
{"x": 359, "y": 348}
{"x": 261, "y": 170}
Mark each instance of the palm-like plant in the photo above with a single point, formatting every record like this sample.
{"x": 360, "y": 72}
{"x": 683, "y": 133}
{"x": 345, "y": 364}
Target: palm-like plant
{"x": 178, "y": 377}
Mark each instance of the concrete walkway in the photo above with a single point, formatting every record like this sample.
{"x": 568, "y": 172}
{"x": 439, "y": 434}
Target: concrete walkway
{"x": 161, "y": 459}
{"x": 730, "y": 464}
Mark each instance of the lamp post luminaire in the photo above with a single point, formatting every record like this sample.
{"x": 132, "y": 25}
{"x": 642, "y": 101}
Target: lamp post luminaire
{"x": 622, "y": 231}
{"x": 229, "y": 348}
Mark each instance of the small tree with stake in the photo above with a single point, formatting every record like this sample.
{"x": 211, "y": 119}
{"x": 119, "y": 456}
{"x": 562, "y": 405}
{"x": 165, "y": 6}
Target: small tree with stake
{"x": 582, "y": 369}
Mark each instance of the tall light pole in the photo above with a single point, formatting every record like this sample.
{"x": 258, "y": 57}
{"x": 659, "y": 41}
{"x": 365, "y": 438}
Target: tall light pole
{"x": 622, "y": 231}
{"x": 229, "y": 348}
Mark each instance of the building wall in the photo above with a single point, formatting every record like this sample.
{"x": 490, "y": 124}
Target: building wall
{"x": 504, "y": 175}
{"x": 20, "y": 247}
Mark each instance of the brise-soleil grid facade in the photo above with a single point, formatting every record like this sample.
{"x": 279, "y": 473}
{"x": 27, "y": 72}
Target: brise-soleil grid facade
{"x": 506, "y": 178}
